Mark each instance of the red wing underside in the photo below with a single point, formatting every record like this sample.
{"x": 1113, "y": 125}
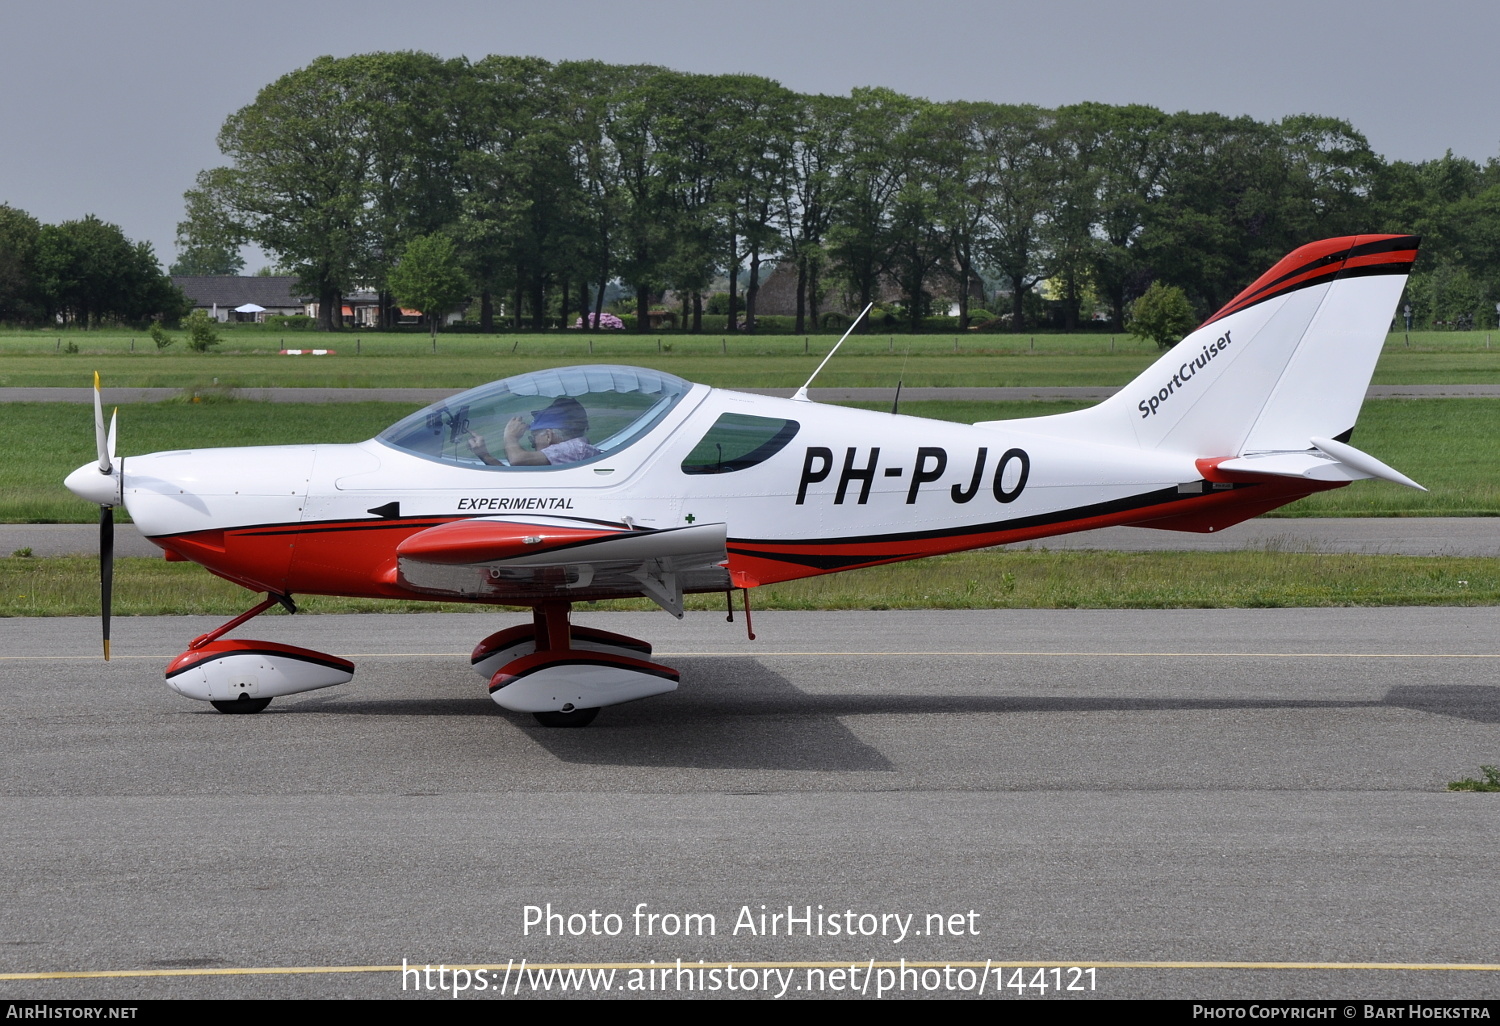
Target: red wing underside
{"x": 525, "y": 563}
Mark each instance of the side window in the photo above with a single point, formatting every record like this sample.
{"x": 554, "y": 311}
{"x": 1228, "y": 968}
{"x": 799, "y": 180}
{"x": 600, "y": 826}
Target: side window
{"x": 738, "y": 441}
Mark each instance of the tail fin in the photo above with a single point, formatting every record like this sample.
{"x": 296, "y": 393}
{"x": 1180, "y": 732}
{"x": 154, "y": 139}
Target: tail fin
{"x": 1286, "y": 361}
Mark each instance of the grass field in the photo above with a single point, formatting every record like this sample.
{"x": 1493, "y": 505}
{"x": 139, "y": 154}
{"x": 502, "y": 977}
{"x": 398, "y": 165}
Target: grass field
{"x": 1449, "y": 445}
{"x": 249, "y": 359}
{"x": 992, "y": 579}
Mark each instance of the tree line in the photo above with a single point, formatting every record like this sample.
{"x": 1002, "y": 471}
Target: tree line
{"x": 537, "y": 185}
{"x": 84, "y": 273}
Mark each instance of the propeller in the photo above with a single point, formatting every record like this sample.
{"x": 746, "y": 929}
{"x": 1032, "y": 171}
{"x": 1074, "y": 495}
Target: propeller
{"x": 102, "y": 483}
{"x": 105, "y": 443}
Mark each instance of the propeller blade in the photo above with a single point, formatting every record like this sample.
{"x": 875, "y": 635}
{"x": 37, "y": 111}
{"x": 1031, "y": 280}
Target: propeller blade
{"x": 106, "y": 568}
{"x": 101, "y": 440}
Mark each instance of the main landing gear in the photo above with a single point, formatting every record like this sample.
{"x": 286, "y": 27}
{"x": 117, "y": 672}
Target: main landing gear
{"x": 243, "y": 676}
{"x": 576, "y": 718}
{"x": 563, "y": 674}
{"x": 243, "y": 704}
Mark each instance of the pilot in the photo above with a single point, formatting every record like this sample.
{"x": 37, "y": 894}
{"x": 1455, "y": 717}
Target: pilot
{"x": 558, "y": 435}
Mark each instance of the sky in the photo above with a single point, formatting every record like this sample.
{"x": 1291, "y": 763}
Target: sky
{"x": 112, "y": 108}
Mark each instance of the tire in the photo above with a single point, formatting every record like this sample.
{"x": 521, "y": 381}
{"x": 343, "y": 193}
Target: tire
{"x": 576, "y": 718}
{"x": 243, "y": 704}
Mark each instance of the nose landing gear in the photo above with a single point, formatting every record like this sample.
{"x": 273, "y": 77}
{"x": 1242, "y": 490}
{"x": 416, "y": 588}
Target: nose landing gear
{"x": 242, "y": 676}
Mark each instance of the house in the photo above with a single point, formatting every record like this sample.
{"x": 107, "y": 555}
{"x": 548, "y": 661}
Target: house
{"x": 362, "y": 310}
{"x": 221, "y": 295}
{"x": 778, "y": 294}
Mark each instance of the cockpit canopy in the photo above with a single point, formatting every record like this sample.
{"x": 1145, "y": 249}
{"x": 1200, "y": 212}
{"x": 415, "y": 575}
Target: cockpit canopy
{"x": 619, "y": 405}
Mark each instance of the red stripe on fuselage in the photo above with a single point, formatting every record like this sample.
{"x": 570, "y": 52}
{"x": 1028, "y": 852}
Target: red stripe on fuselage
{"x": 770, "y": 562}
{"x": 354, "y": 558}
{"x": 357, "y": 559}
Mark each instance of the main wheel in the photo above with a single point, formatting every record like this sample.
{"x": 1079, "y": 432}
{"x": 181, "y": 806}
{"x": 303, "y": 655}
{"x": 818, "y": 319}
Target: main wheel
{"x": 576, "y": 718}
{"x": 243, "y": 704}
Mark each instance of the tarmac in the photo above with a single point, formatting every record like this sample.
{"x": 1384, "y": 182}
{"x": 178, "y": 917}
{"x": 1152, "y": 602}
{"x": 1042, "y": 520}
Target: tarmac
{"x": 1194, "y": 804}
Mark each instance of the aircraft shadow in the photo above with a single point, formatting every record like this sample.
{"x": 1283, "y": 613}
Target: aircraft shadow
{"x": 731, "y": 714}
{"x": 1477, "y": 702}
{"x": 736, "y": 714}
{"x": 335, "y": 704}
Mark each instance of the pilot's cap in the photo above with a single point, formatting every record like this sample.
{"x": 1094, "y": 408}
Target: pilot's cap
{"x": 566, "y": 414}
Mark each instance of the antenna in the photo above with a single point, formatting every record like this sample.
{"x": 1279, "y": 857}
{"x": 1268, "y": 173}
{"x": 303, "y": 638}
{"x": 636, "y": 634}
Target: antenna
{"x": 801, "y": 395}
{"x": 896, "y": 405}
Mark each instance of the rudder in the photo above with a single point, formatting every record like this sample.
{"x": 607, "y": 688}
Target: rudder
{"x": 1286, "y": 360}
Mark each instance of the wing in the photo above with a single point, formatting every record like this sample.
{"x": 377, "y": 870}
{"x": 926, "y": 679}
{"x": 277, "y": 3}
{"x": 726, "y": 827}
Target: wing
{"x": 526, "y": 562}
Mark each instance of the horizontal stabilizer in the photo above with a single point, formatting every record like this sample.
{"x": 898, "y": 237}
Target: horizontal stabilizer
{"x": 1363, "y": 461}
{"x": 1310, "y": 464}
{"x": 1328, "y": 460}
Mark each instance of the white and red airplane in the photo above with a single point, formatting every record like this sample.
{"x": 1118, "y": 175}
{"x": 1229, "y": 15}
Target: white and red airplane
{"x": 638, "y": 483}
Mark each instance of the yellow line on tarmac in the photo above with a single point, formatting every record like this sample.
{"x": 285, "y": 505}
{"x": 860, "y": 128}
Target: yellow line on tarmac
{"x": 868, "y": 655}
{"x": 549, "y": 966}
{"x": 1118, "y": 655}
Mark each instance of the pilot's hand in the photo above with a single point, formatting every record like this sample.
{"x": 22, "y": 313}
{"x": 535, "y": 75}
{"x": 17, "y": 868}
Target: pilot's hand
{"x": 478, "y": 448}
{"x": 514, "y": 429}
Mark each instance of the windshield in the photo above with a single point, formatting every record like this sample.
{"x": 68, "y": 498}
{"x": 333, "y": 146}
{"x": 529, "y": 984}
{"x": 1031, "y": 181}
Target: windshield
{"x": 548, "y": 418}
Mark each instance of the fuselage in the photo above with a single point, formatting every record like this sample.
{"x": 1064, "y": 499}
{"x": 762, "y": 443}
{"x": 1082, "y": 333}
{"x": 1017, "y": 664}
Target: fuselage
{"x": 828, "y": 488}
{"x": 579, "y": 483}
